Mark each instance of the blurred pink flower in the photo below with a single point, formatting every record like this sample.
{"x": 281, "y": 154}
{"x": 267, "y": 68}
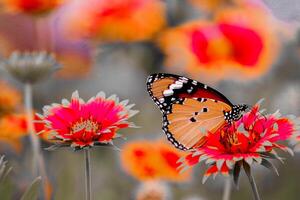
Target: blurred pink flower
{"x": 75, "y": 56}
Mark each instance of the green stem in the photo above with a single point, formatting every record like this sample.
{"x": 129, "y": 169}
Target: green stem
{"x": 38, "y": 160}
{"x": 88, "y": 191}
{"x": 227, "y": 189}
{"x": 253, "y": 186}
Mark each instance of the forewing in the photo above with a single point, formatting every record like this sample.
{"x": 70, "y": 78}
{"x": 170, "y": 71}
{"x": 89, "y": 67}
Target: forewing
{"x": 166, "y": 89}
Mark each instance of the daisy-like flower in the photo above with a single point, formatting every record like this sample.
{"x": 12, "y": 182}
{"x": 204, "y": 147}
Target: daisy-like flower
{"x": 10, "y": 98}
{"x": 114, "y": 20}
{"x": 84, "y": 124}
{"x": 252, "y": 139}
{"x": 236, "y": 45}
{"x": 31, "y": 7}
{"x": 140, "y": 160}
{"x": 31, "y": 67}
{"x": 12, "y": 129}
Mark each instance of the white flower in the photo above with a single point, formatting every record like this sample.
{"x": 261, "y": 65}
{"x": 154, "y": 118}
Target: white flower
{"x": 31, "y": 67}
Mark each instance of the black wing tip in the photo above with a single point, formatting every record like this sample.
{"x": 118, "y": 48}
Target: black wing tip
{"x": 158, "y": 75}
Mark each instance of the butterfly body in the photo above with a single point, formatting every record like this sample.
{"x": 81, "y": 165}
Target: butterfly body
{"x": 190, "y": 109}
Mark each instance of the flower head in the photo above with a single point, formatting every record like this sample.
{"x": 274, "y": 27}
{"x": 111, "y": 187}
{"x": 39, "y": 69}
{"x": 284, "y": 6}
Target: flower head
{"x": 114, "y": 20}
{"x": 236, "y": 42}
{"x": 84, "y": 124}
{"x": 32, "y": 7}
{"x": 253, "y": 138}
{"x": 31, "y": 67}
{"x": 12, "y": 129}
{"x": 152, "y": 190}
{"x": 10, "y": 98}
{"x": 140, "y": 159}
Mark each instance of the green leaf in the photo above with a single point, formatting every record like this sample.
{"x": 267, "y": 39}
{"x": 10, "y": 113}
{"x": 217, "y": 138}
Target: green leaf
{"x": 32, "y": 191}
{"x": 269, "y": 165}
{"x": 236, "y": 173}
{"x": 4, "y": 169}
{"x": 247, "y": 169}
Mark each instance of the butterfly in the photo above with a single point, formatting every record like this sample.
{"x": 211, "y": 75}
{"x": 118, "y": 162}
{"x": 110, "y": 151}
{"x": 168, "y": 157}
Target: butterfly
{"x": 190, "y": 109}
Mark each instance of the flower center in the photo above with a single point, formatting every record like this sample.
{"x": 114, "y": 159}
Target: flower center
{"x": 85, "y": 125}
{"x": 229, "y": 139}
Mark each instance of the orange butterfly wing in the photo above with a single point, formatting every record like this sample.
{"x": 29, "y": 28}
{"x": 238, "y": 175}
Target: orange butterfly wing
{"x": 186, "y": 126}
{"x": 190, "y": 108}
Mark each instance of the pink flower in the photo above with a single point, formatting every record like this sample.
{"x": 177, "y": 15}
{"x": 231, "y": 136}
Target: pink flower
{"x": 253, "y": 138}
{"x": 84, "y": 124}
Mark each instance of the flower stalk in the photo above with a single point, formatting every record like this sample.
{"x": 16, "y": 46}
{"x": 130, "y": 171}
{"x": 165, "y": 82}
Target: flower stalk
{"x": 254, "y": 187}
{"x": 88, "y": 190}
{"x": 252, "y": 181}
{"x": 38, "y": 160}
{"x": 227, "y": 189}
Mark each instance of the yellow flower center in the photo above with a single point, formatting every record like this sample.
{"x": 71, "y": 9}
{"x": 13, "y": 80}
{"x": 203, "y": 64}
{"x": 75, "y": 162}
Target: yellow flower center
{"x": 86, "y": 125}
{"x": 219, "y": 49}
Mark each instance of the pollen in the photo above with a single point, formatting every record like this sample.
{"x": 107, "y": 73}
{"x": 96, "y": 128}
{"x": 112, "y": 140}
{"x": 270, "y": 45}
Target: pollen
{"x": 85, "y": 125}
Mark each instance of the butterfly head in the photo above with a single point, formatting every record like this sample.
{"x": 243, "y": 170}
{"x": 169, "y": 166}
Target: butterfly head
{"x": 239, "y": 110}
{"x": 236, "y": 113}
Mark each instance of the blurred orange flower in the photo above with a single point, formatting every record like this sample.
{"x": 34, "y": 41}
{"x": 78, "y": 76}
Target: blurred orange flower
{"x": 115, "y": 20}
{"x": 152, "y": 160}
{"x": 216, "y": 5}
{"x": 10, "y": 98}
{"x": 32, "y": 7}
{"x": 236, "y": 45}
{"x": 209, "y": 5}
{"x": 12, "y": 129}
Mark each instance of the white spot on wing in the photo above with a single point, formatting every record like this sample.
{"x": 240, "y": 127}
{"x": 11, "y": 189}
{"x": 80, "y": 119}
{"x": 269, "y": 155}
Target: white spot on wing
{"x": 168, "y": 92}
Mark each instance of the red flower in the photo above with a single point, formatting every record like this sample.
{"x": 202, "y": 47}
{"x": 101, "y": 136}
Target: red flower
{"x": 236, "y": 42}
{"x": 253, "y": 138}
{"x": 33, "y": 7}
{"x": 12, "y": 129}
{"x": 10, "y": 98}
{"x": 83, "y": 124}
{"x": 141, "y": 158}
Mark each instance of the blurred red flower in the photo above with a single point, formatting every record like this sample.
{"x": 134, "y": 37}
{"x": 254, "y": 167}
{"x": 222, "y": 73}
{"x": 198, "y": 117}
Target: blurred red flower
{"x": 32, "y": 7}
{"x": 116, "y": 20}
{"x": 10, "y": 98}
{"x": 156, "y": 160}
{"x": 237, "y": 45}
{"x": 253, "y": 138}
{"x": 84, "y": 124}
{"x": 12, "y": 129}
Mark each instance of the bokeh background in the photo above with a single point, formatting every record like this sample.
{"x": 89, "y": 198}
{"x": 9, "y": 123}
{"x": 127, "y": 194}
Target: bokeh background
{"x": 247, "y": 49}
